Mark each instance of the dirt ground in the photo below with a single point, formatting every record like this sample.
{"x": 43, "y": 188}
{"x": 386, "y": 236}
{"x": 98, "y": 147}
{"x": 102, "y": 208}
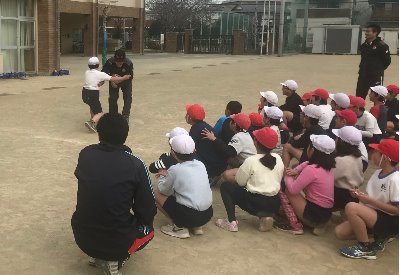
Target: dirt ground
{"x": 42, "y": 132}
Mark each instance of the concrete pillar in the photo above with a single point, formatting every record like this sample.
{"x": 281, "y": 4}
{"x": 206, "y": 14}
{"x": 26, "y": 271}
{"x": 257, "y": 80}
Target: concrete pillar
{"x": 238, "y": 42}
{"x": 138, "y": 33}
{"x": 171, "y": 42}
{"x": 49, "y": 37}
{"x": 90, "y": 35}
{"x": 188, "y": 41}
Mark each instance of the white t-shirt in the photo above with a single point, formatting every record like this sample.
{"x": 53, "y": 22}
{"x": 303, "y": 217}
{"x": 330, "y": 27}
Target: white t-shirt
{"x": 93, "y": 78}
{"x": 384, "y": 189}
{"x": 279, "y": 147}
{"x": 368, "y": 125}
{"x": 257, "y": 178}
{"x": 244, "y": 146}
{"x": 326, "y": 116}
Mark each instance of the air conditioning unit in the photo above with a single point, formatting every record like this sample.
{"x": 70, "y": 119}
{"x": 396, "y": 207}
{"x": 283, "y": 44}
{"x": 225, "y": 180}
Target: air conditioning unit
{"x": 336, "y": 39}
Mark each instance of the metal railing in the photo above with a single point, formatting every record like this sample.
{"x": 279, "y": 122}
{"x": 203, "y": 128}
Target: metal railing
{"x": 220, "y": 44}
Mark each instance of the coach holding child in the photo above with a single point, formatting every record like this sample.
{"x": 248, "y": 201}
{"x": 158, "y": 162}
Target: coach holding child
{"x": 375, "y": 58}
{"x": 120, "y": 65}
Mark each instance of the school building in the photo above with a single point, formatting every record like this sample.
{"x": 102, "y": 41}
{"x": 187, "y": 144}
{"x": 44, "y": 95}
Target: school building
{"x": 34, "y": 33}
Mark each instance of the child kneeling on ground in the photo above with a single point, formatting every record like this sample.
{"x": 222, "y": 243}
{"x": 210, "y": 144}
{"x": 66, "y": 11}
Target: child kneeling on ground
{"x": 111, "y": 183}
{"x": 257, "y": 184}
{"x": 379, "y": 213}
{"x": 315, "y": 178}
{"x": 184, "y": 194}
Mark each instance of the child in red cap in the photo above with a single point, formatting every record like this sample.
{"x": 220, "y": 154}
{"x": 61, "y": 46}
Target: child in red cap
{"x": 238, "y": 149}
{"x": 257, "y": 122}
{"x": 392, "y": 104}
{"x": 380, "y": 209}
{"x": 256, "y": 185}
{"x": 214, "y": 162}
{"x": 320, "y": 97}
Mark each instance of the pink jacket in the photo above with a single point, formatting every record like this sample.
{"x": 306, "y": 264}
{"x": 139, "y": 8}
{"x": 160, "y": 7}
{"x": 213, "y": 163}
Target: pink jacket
{"x": 317, "y": 184}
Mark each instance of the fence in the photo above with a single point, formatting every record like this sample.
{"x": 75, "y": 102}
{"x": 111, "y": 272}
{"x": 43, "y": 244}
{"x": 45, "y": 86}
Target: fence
{"x": 222, "y": 44}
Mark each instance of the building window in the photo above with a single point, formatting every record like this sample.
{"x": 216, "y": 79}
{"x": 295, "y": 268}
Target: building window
{"x": 17, "y": 35}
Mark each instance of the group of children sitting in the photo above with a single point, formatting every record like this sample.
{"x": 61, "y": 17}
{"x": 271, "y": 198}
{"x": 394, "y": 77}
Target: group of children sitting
{"x": 250, "y": 157}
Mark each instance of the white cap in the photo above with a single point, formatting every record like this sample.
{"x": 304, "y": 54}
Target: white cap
{"x": 291, "y": 84}
{"x": 312, "y": 111}
{"x": 273, "y": 112}
{"x": 323, "y": 143}
{"x": 380, "y": 90}
{"x": 270, "y": 96}
{"x": 177, "y": 131}
{"x": 349, "y": 134}
{"x": 182, "y": 144}
{"x": 341, "y": 99}
{"x": 93, "y": 61}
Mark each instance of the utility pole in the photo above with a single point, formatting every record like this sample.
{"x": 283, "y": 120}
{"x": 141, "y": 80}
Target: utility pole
{"x": 268, "y": 30}
{"x": 274, "y": 29}
{"x": 307, "y": 5}
{"x": 281, "y": 25}
{"x": 262, "y": 31}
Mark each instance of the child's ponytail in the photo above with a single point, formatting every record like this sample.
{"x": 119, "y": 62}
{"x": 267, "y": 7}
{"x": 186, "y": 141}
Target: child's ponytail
{"x": 268, "y": 160}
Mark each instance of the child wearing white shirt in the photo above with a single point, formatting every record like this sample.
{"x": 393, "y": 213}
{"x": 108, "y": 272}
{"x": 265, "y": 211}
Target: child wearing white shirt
{"x": 379, "y": 211}
{"x": 90, "y": 92}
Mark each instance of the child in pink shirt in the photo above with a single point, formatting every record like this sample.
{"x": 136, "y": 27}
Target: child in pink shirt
{"x": 316, "y": 179}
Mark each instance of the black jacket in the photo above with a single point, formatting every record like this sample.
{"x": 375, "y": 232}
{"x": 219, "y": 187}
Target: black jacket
{"x": 111, "y": 68}
{"x": 375, "y": 58}
{"x": 111, "y": 182}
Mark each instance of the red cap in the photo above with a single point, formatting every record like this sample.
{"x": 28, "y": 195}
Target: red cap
{"x": 256, "y": 119}
{"x": 195, "y": 111}
{"x": 349, "y": 115}
{"x": 356, "y": 101}
{"x": 307, "y": 96}
{"x": 242, "y": 120}
{"x": 388, "y": 147}
{"x": 266, "y": 137}
{"x": 393, "y": 89}
{"x": 322, "y": 93}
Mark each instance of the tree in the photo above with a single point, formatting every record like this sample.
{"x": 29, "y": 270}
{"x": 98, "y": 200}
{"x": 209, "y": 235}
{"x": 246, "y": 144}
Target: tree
{"x": 177, "y": 15}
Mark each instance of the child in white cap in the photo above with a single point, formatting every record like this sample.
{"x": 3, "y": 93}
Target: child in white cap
{"x": 90, "y": 92}
{"x": 297, "y": 147}
{"x": 268, "y": 98}
{"x": 315, "y": 178}
{"x": 377, "y": 95}
{"x": 258, "y": 182}
{"x": 272, "y": 119}
{"x": 291, "y": 109}
{"x": 184, "y": 194}
{"x": 349, "y": 166}
{"x": 166, "y": 160}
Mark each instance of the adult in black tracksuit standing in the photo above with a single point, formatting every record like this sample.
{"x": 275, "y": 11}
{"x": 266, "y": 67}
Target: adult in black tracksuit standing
{"x": 375, "y": 58}
{"x": 115, "y": 206}
{"x": 120, "y": 65}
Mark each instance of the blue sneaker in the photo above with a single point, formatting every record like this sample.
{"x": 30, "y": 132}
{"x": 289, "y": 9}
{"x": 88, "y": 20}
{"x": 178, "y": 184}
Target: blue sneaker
{"x": 359, "y": 251}
{"x": 379, "y": 244}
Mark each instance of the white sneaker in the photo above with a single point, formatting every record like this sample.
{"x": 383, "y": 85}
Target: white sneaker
{"x": 266, "y": 224}
{"x": 197, "y": 230}
{"x": 225, "y": 224}
{"x": 174, "y": 231}
{"x": 108, "y": 267}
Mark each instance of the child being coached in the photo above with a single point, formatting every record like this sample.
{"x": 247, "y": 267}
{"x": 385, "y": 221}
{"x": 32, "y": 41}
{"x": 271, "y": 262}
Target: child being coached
{"x": 315, "y": 178}
{"x": 257, "y": 184}
{"x": 184, "y": 194}
{"x": 272, "y": 118}
{"x": 379, "y": 212}
{"x": 392, "y": 105}
{"x": 233, "y": 107}
{"x": 166, "y": 160}
{"x": 256, "y": 123}
{"x": 379, "y": 110}
{"x": 90, "y": 92}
